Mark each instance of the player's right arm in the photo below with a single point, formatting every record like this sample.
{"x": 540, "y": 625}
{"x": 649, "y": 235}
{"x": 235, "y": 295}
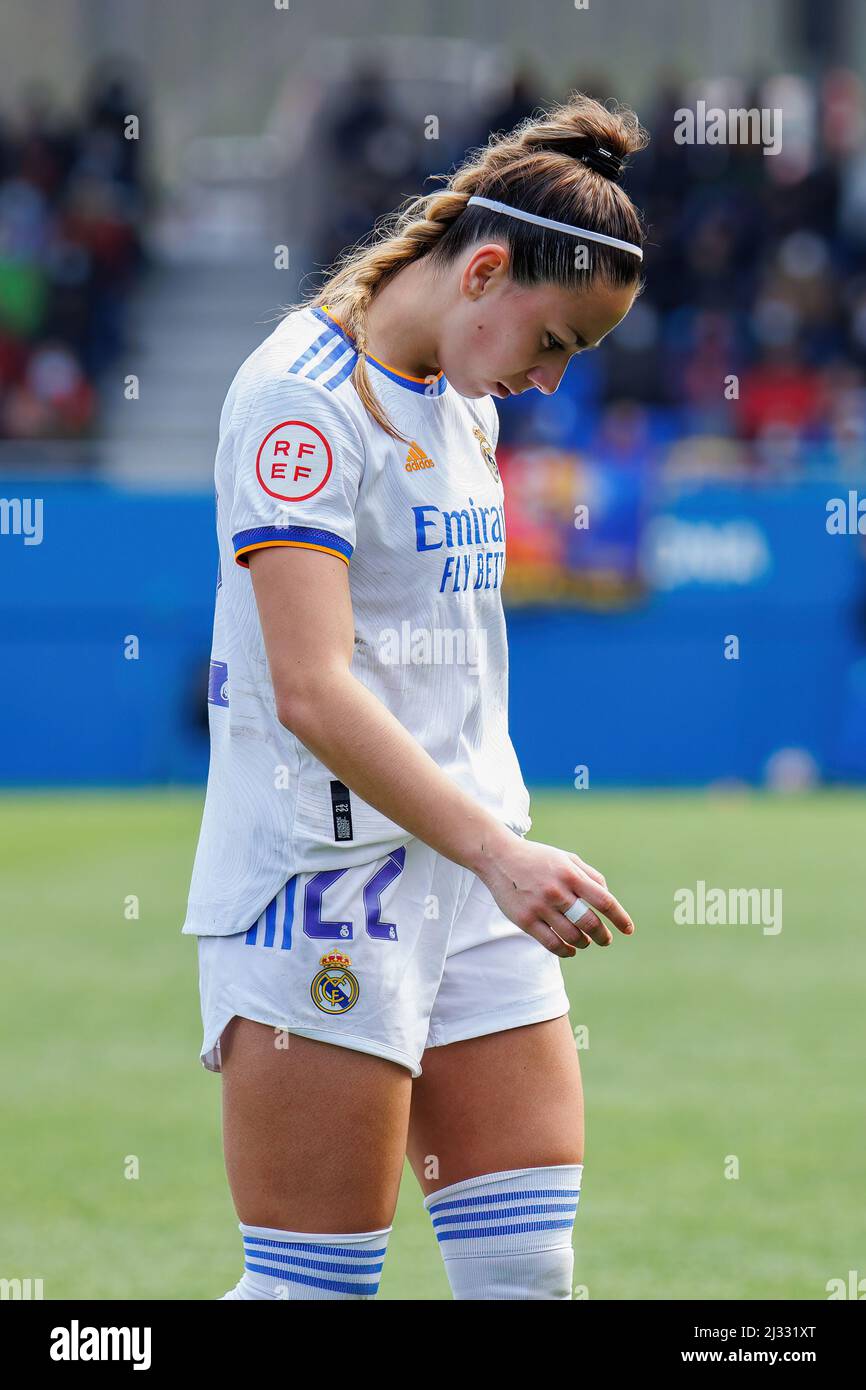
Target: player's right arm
{"x": 305, "y": 607}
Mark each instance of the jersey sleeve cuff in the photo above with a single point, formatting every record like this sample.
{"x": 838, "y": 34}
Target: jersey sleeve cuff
{"x": 307, "y": 537}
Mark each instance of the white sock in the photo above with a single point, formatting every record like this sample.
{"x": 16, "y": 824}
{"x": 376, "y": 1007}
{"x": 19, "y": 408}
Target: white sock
{"x": 297, "y": 1265}
{"x": 508, "y": 1235}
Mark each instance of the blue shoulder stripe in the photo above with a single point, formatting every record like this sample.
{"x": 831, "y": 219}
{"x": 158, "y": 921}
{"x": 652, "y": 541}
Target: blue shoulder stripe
{"x": 423, "y": 388}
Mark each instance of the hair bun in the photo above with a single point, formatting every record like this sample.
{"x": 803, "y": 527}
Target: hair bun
{"x": 596, "y": 155}
{"x": 604, "y": 161}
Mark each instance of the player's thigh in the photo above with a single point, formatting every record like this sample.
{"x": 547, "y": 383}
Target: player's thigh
{"x": 314, "y": 1134}
{"x": 512, "y": 1099}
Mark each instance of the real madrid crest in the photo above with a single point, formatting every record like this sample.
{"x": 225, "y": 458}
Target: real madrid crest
{"x": 487, "y": 451}
{"x": 335, "y": 989}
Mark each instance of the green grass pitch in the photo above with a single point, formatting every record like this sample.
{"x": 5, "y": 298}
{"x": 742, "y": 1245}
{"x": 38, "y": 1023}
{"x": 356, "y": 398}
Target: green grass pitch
{"x": 704, "y": 1042}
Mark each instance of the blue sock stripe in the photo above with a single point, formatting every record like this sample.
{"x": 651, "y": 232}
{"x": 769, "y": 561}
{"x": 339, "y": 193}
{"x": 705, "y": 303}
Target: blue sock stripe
{"x": 524, "y": 1209}
{"x": 326, "y": 1268}
{"x": 505, "y": 1197}
{"x": 310, "y": 1248}
{"x": 519, "y": 1228}
{"x": 332, "y": 1285}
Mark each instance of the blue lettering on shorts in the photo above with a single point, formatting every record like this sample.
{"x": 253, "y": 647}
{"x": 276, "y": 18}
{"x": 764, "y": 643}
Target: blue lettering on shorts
{"x": 315, "y": 921}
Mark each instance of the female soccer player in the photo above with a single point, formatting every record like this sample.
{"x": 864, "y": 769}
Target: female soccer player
{"x": 378, "y": 941}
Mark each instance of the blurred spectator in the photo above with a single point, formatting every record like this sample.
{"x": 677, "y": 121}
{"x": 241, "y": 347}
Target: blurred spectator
{"x": 71, "y": 206}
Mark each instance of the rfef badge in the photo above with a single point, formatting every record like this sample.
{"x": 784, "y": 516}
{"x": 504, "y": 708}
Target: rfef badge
{"x": 335, "y": 989}
{"x": 487, "y": 451}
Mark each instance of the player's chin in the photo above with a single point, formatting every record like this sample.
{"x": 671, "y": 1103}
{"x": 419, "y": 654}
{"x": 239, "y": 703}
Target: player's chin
{"x": 472, "y": 389}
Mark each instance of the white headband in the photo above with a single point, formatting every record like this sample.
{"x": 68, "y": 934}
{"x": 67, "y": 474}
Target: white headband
{"x": 557, "y": 226}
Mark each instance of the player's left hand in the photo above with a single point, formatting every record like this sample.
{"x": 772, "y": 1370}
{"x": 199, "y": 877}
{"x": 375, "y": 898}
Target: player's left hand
{"x": 594, "y": 929}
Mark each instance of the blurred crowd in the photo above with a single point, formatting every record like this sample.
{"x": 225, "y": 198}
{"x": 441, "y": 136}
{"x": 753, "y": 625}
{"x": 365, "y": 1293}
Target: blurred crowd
{"x": 745, "y": 351}
{"x": 71, "y": 211}
{"x": 747, "y": 348}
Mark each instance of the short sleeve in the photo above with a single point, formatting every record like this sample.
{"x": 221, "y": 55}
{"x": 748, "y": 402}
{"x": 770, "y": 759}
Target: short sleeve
{"x": 297, "y": 462}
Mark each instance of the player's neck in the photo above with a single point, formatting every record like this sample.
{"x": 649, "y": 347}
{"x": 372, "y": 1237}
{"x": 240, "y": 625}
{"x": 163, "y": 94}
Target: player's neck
{"x": 402, "y": 323}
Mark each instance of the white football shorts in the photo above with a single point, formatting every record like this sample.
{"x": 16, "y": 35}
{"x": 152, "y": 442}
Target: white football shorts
{"x": 406, "y": 952}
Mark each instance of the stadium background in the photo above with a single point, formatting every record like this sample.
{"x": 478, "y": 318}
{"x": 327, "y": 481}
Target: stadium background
{"x": 154, "y": 258}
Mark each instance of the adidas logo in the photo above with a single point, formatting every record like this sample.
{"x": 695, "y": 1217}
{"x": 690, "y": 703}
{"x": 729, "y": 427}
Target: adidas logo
{"x": 416, "y": 458}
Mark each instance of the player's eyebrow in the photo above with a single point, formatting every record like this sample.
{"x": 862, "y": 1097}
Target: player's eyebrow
{"x": 579, "y": 340}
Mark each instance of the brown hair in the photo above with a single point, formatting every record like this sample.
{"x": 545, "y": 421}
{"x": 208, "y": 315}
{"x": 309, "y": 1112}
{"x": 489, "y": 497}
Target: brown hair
{"x": 539, "y": 167}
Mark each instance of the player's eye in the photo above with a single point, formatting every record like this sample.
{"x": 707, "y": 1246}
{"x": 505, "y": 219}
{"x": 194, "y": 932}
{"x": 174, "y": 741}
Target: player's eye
{"x": 554, "y": 344}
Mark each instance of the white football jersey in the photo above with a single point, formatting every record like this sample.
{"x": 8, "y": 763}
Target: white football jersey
{"x": 421, "y": 527}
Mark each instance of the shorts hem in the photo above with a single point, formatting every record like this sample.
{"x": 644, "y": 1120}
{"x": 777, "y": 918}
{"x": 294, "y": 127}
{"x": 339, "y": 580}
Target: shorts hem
{"x": 539, "y": 1010}
{"x": 355, "y": 1044}
{"x": 327, "y": 1035}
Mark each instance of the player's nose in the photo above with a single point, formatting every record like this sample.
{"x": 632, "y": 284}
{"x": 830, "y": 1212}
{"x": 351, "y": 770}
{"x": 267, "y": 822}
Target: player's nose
{"x": 546, "y": 378}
